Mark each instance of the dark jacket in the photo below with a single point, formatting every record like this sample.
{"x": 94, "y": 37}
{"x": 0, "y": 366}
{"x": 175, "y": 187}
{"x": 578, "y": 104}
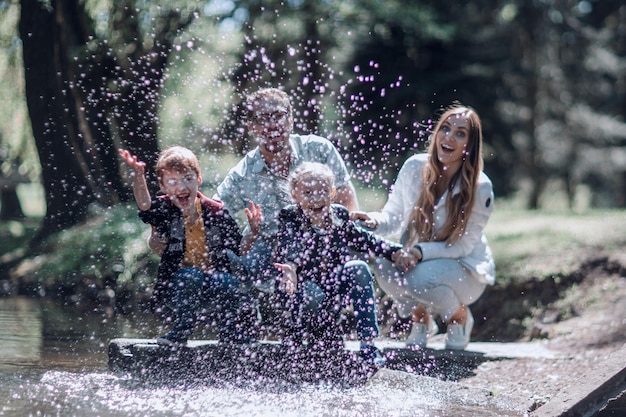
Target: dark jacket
{"x": 320, "y": 255}
{"x": 222, "y": 233}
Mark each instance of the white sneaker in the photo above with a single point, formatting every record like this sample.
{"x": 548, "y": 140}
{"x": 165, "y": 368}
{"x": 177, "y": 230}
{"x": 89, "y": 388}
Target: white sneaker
{"x": 457, "y": 336}
{"x": 420, "y": 333}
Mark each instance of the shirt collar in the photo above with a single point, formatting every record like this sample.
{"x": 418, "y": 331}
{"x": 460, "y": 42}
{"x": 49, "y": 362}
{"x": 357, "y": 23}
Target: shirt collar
{"x": 258, "y": 163}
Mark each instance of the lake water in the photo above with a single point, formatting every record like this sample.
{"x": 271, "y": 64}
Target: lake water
{"x": 53, "y": 362}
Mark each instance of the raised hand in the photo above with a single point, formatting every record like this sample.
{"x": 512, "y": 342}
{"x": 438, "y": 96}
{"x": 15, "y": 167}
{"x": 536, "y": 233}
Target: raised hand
{"x": 140, "y": 187}
{"x": 289, "y": 278}
{"x": 255, "y": 217}
{"x": 138, "y": 167}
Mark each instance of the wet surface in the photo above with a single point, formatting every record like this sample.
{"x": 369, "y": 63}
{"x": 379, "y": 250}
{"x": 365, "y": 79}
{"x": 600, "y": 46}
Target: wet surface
{"x": 54, "y": 363}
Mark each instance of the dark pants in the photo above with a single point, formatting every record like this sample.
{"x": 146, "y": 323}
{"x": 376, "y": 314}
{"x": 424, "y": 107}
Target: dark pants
{"x": 190, "y": 290}
{"x": 313, "y": 310}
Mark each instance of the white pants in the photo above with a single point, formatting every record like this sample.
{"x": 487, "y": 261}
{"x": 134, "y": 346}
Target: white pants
{"x": 442, "y": 285}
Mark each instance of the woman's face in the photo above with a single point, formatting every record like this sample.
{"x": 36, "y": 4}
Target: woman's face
{"x": 452, "y": 140}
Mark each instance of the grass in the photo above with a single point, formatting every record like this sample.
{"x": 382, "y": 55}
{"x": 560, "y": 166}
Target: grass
{"x": 525, "y": 243}
{"x": 542, "y": 243}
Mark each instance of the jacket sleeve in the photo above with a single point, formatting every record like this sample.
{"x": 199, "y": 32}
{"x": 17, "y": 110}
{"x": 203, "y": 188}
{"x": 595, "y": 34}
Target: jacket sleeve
{"x": 483, "y": 207}
{"x": 224, "y": 234}
{"x": 288, "y": 237}
{"x": 364, "y": 241}
{"x": 390, "y": 218}
{"x": 158, "y": 215}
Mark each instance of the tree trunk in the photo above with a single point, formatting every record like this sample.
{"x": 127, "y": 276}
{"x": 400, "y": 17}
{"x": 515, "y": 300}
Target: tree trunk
{"x": 86, "y": 97}
{"x": 67, "y": 191}
{"x": 10, "y": 208}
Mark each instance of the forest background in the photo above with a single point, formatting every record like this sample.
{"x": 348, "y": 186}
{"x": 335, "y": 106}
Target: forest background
{"x": 81, "y": 78}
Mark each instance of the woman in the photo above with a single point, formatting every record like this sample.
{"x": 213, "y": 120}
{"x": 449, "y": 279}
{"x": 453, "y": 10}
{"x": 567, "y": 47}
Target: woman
{"x": 441, "y": 202}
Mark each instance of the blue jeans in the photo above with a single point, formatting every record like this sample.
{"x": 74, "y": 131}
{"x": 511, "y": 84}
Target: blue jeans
{"x": 354, "y": 285}
{"x": 190, "y": 289}
{"x": 256, "y": 268}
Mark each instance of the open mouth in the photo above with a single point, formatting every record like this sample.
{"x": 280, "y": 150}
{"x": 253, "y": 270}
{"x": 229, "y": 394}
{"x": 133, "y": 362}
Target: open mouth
{"x": 315, "y": 210}
{"x": 183, "y": 199}
{"x": 274, "y": 146}
{"x": 447, "y": 148}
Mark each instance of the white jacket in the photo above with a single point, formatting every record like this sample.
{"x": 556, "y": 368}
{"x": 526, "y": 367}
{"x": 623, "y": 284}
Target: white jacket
{"x": 472, "y": 250}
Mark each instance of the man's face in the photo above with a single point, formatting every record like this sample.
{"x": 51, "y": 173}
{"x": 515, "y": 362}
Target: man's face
{"x": 270, "y": 125}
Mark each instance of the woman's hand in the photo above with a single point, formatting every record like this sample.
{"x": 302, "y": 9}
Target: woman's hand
{"x": 289, "y": 278}
{"x": 406, "y": 259}
{"x": 365, "y": 219}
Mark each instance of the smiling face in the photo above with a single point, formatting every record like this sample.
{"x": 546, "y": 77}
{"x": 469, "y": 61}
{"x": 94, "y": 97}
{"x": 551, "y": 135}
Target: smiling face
{"x": 313, "y": 193}
{"x": 181, "y": 187}
{"x": 270, "y": 122}
{"x": 451, "y": 141}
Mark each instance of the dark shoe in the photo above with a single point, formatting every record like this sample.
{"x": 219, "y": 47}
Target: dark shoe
{"x": 371, "y": 354}
{"x": 171, "y": 339}
{"x": 238, "y": 340}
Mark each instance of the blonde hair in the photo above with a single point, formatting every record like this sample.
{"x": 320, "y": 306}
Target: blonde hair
{"x": 459, "y": 206}
{"x": 179, "y": 159}
{"x": 310, "y": 170}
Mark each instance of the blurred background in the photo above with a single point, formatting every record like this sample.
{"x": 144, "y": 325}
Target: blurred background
{"x": 80, "y": 78}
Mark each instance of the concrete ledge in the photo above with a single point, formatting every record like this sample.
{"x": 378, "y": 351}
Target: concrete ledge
{"x": 209, "y": 360}
{"x": 595, "y": 392}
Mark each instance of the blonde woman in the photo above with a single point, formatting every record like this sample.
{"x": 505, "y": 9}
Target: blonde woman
{"x": 440, "y": 204}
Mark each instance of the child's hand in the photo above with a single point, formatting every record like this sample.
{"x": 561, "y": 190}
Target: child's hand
{"x": 255, "y": 218}
{"x": 406, "y": 259}
{"x": 138, "y": 167}
{"x": 289, "y": 278}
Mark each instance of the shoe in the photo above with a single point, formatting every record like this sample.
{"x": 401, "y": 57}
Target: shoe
{"x": 171, "y": 339}
{"x": 420, "y": 333}
{"x": 372, "y": 355}
{"x": 238, "y": 340}
{"x": 458, "y": 336}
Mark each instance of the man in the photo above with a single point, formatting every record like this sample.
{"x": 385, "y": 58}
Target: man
{"x": 258, "y": 181}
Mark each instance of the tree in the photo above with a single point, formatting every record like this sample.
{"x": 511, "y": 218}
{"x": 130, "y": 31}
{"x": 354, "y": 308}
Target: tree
{"x": 87, "y": 95}
{"x": 17, "y": 155}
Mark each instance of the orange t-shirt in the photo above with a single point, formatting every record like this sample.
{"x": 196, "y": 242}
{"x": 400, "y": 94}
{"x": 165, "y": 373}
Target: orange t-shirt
{"x": 196, "y": 251}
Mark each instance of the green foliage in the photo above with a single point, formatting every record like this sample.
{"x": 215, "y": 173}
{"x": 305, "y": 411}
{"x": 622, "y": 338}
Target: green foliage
{"x": 110, "y": 248}
{"x": 15, "y": 235}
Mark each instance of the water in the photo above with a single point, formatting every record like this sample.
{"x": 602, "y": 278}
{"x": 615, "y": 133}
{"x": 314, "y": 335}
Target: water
{"x": 54, "y": 363}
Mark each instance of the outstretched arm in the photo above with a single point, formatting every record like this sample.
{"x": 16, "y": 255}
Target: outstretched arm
{"x": 140, "y": 187}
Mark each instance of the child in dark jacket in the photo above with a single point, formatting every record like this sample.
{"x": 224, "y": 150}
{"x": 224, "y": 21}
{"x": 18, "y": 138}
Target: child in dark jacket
{"x": 194, "y": 269}
{"x": 315, "y": 252}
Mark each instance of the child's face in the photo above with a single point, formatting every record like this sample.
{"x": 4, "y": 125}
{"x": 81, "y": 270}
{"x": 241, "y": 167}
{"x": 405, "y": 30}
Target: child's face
{"x": 182, "y": 188}
{"x": 314, "y": 196}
